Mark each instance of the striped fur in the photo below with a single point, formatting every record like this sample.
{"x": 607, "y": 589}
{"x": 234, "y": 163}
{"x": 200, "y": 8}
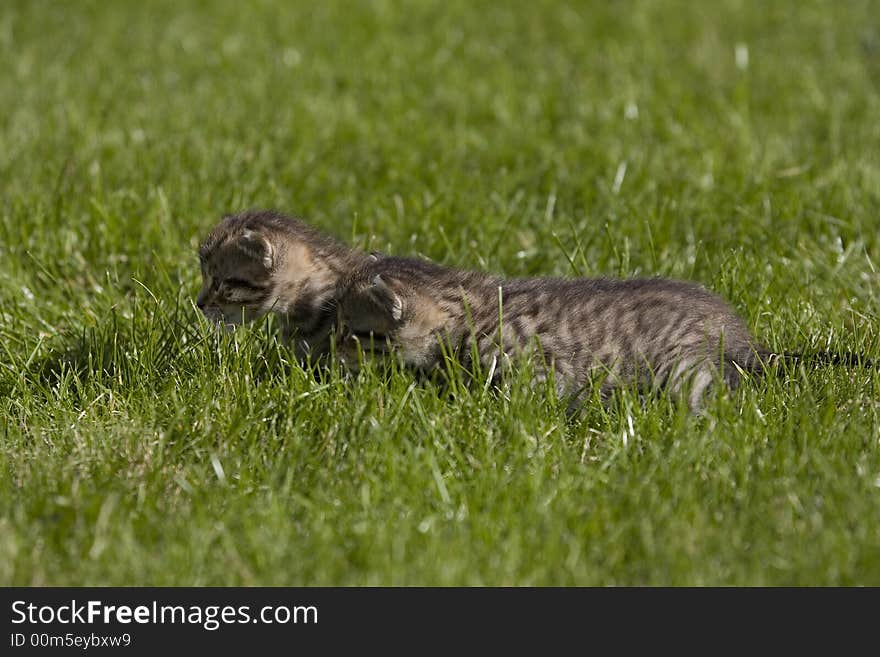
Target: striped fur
{"x": 648, "y": 332}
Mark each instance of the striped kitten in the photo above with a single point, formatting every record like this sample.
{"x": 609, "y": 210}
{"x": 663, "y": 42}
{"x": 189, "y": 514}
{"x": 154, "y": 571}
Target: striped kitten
{"x": 648, "y": 332}
{"x": 258, "y": 262}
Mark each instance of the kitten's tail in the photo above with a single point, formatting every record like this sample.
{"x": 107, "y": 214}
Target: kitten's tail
{"x": 760, "y": 361}
{"x": 765, "y": 359}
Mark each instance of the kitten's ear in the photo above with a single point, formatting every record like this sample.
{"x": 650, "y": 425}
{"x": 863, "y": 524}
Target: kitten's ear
{"x": 389, "y": 299}
{"x": 257, "y": 247}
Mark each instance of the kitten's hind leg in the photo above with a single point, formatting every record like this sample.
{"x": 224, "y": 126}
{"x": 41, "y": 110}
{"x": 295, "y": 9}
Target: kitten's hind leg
{"x": 701, "y": 381}
{"x": 690, "y": 379}
{"x": 706, "y": 374}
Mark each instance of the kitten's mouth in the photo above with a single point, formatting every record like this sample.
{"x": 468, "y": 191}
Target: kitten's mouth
{"x": 226, "y": 320}
{"x": 351, "y": 347}
{"x": 351, "y": 340}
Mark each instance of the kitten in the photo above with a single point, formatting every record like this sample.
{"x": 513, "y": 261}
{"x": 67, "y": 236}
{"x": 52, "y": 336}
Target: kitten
{"x": 648, "y": 332}
{"x": 258, "y": 262}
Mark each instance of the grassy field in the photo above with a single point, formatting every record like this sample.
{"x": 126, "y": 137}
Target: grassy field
{"x": 733, "y": 143}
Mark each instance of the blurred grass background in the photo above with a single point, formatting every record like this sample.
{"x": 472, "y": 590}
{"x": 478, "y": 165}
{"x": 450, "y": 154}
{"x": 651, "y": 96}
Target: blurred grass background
{"x": 733, "y": 143}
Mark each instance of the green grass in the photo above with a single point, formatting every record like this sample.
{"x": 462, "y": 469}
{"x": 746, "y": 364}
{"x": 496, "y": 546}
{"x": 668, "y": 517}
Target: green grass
{"x": 137, "y": 447}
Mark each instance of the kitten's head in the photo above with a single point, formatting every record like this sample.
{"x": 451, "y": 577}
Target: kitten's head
{"x": 238, "y": 263}
{"x": 261, "y": 261}
{"x": 388, "y": 312}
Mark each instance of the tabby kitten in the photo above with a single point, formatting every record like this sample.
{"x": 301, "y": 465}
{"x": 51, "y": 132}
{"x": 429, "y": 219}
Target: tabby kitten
{"x": 648, "y": 332}
{"x": 258, "y": 262}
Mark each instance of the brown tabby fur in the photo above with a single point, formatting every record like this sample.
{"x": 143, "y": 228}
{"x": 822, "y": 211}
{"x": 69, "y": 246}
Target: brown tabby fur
{"x": 648, "y": 332}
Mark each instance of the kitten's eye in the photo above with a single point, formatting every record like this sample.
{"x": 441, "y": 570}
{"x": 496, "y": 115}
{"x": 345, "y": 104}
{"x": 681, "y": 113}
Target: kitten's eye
{"x": 241, "y": 283}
